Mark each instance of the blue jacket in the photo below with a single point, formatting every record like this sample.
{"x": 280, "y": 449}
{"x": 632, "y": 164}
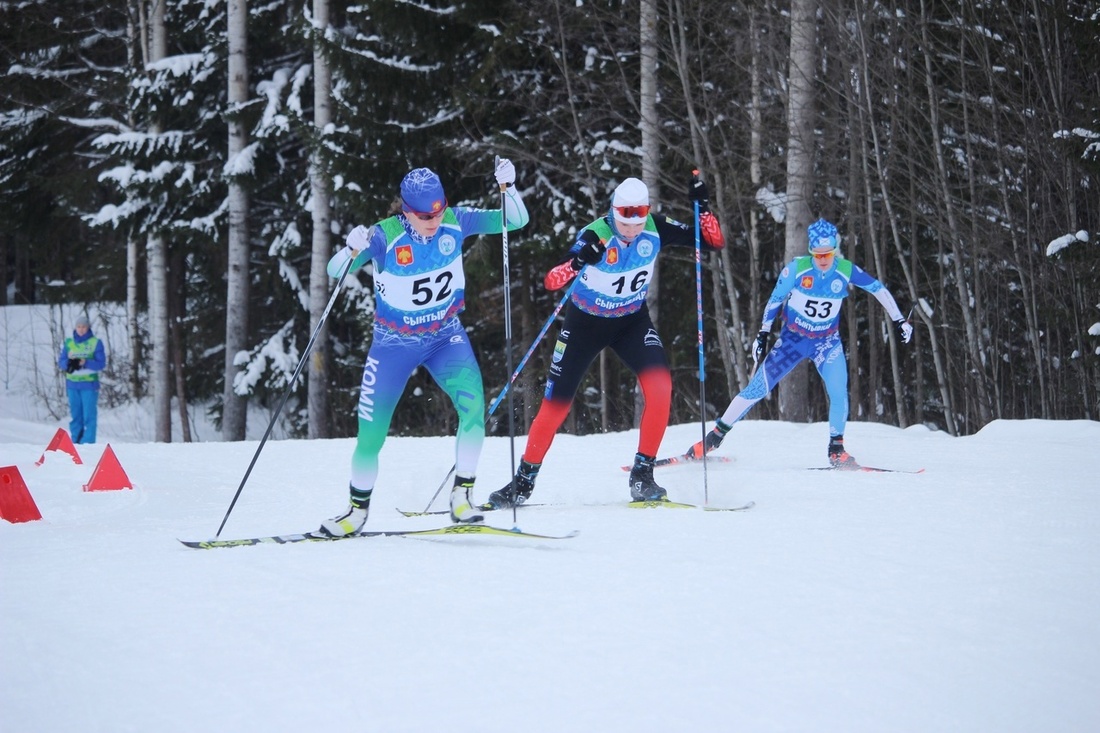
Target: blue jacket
{"x": 90, "y": 349}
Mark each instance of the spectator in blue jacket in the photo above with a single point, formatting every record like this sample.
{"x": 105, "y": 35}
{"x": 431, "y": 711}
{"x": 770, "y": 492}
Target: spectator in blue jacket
{"x": 82, "y": 358}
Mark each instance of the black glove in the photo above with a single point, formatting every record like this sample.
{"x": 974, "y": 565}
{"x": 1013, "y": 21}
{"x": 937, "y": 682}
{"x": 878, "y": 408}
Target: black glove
{"x": 763, "y": 344}
{"x": 74, "y": 364}
{"x": 590, "y": 252}
{"x": 697, "y": 191}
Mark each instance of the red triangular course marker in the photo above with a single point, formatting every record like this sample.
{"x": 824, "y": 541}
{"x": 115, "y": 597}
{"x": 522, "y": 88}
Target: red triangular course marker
{"x": 62, "y": 442}
{"x": 108, "y": 474}
{"x": 16, "y": 502}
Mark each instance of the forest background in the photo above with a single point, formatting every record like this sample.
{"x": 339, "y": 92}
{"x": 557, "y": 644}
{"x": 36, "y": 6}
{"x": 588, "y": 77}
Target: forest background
{"x": 200, "y": 160}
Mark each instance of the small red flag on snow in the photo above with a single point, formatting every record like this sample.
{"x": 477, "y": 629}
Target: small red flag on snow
{"x": 16, "y": 502}
{"x": 108, "y": 474}
{"x": 62, "y": 442}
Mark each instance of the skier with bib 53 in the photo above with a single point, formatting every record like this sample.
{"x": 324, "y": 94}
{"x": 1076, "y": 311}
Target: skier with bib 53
{"x": 810, "y": 291}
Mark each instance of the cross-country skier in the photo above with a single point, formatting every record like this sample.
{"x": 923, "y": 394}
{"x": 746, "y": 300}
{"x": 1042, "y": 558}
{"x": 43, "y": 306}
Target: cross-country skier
{"x": 615, "y": 256}
{"x": 810, "y": 292}
{"x": 419, "y": 289}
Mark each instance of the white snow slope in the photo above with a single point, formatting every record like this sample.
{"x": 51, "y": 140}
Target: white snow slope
{"x": 965, "y": 598}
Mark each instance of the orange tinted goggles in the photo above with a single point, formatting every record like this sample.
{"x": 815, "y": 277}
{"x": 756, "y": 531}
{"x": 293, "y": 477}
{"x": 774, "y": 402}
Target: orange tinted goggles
{"x": 632, "y": 212}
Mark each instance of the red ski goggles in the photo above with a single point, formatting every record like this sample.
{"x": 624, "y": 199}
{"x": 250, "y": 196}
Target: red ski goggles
{"x": 632, "y": 212}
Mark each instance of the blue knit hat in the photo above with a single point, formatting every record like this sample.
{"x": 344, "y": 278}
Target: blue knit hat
{"x": 422, "y": 192}
{"x": 823, "y": 234}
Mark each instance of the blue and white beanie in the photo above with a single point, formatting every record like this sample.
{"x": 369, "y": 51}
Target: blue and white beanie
{"x": 823, "y": 234}
{"x": 422, "y": 192}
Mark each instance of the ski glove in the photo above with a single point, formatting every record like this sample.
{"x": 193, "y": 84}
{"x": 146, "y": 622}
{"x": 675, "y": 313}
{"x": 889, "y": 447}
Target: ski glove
{"x": 505, "y": 172}
{"x": 590, "y": 252}
{"x": 761, "y": 347}
{"x": 905, "y": 331}
{"x": 74, "y": 364}
{"x": 697, "y": 191}
{"x": 360, "y": 237}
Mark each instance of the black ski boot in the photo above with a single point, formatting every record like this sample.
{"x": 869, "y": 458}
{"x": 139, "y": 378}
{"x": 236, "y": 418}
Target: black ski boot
{"x": 518, "y": 490}
{"x": 642, "y": 485}
{"x": 713, "y": 440}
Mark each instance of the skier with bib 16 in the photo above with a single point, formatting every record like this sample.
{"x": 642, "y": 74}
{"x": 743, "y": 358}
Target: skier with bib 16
{"x": 419, "y": 288}
{"x": 810, "y": 291}
{"x": 613, "y": 259}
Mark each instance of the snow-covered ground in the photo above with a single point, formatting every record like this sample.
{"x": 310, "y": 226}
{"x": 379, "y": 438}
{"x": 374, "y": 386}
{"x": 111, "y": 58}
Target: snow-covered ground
{"x": 964, "y": 598}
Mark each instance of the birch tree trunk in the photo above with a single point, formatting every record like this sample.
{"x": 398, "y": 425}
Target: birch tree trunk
{"x": 651, "y": 150}
{"x": 320, "y": 424}
{"x": 235, "y": 407}
{"x": 136, "y": 27}
{"x": 794, "y": 390}
{"x": 159, "y": 373}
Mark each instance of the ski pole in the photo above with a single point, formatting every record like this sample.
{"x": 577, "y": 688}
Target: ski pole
{"x": 507, "y": 321}
{"x": 512, "y": 379}
{"x": 699, "y": 328}
{"x": 289, "y": 387}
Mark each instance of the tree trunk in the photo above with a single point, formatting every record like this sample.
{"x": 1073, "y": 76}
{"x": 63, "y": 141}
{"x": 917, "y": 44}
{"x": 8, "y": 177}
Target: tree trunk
{"x": 794, "y": 390}
{"x": 136, "y": 32}
{"x": 977, "y": 366}
{"x": 160, "y": 371}
{"x": 651, "y": 164}
{"x": 320, "y": 423}
{"x": 177, "y": 300}
{"x": 235, "y": 407}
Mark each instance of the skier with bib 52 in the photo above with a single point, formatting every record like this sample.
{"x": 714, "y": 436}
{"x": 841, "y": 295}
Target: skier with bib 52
{"x": 419, "y": 289}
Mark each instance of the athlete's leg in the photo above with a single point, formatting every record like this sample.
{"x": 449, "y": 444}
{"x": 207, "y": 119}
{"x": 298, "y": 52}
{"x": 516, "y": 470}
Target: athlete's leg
{"x": 789, "y": 350}
{"x": 833, "y": 367}
{"x": 639, "y": 346}
{"x": 389, "y": 363}
{"x": 454, "y": 368}
{"x": 580, "y": 340}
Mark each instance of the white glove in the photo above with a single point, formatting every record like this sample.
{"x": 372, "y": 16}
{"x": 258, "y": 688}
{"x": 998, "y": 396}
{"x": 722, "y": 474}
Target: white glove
{"x": 505, "y": 172}
{"x": 905, "y": 331}
{"x": 360, "y": 237}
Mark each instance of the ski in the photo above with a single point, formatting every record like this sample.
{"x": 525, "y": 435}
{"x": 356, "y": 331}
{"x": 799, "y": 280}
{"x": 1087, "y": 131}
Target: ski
{"x": 865, "y": 469}
{"x": 480, "y": 508}
{"x": 629, "y": 505}
{"x": 677, "y": 460}
{"x": 681, "y": 505}
{"x": 451, "y": 529}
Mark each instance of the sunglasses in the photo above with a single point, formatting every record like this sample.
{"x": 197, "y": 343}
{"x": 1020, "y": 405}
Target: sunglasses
{"x": 632, "y": 212}
{"x": 426, "y": 217}
{"x": 823, "y": 255}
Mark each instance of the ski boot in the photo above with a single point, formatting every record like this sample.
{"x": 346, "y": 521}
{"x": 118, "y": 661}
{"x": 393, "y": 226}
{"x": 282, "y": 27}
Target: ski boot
{"x": 711, "y": 442}
{"x": 518, "y": 490}
{"x": 462, "y": 511}
{"x": 840, "y": 458}
{"x": 642, "y": 485}
{"x": 352, "y": 521}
